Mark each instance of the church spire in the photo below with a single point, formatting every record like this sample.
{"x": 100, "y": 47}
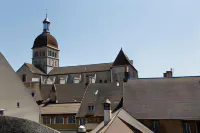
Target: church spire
{"x": 46, "y": 24}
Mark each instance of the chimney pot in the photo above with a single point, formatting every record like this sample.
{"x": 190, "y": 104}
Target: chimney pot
{"x": 81, "y": 129}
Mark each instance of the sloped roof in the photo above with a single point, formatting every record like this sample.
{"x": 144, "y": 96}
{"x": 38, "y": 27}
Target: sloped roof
{"x": 96, "y": 94}
{"x": 70, "y": 92}
{"x": 18, "y": 125}
{"x": 122, "y": 59}
{"x": 164, "y": 98}
{"x": 13, "y": 91}
{"x": 121, "y": 122}
{"x": 33, "y": 68}
{"x": 65, "y": 108}
{"x": 81, "y": 69}
{"x": 45, "y": 91}
{"x": 65, "y": 92}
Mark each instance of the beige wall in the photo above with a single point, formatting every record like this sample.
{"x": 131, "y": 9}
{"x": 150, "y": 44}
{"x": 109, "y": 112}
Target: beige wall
{"x": 25, "y": 70}
{"x": 104, "y": 75}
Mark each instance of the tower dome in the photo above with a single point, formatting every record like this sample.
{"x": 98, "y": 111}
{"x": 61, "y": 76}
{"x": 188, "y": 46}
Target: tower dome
{"x": 45, "y": 39}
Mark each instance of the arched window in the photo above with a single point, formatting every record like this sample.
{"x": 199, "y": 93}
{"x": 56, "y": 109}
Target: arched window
{"x": 36, "y": 54}
{"x": 59, "y": 120}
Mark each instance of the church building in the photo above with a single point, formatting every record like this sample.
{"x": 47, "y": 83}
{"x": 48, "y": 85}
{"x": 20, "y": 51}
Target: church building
{"x": 45, "y": 66}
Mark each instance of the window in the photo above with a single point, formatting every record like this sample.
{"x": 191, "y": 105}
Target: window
{"x": 59, "y": 120}
{"x": 43, "y": 53}
{"x": 1, "y": 112}
{"x": 55, "y": 55}
{"x": 46, "y": 120}
{"x": 36, "y": 54}
{"x": 82, "y": 121}
{"x": 18, "y": 105}
{"x": 50, "y": 53}
{"x": 100, "y": 81}
{"x": 90, "y": 108}
{"x": 155, "y": 127}
{"x": 71, "y": 119}
{"x": 105, "y": 81}
{"x": 32, "y": 94}
{"x": 24, "y": 78}
{"x": 186, "y": 127}
{"x": 93, "y": 120}
{"x": 55, "y": 63}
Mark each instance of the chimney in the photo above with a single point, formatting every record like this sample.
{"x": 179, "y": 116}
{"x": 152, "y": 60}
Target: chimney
{"x": 81, "y": 129}
{"x": 168, "y": 74}
{"x": 107, "y": 111}
{"x": 53, "y": 94}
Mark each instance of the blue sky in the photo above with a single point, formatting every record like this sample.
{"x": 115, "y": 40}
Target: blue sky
{"x": 156, "y": 34}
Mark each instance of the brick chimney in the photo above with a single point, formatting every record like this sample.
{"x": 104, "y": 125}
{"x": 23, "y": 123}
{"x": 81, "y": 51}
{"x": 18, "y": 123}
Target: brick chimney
{"x": 168, "y": 74}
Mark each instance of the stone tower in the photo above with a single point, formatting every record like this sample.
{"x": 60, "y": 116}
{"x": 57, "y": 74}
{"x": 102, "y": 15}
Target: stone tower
{"x": 45, "y": 50}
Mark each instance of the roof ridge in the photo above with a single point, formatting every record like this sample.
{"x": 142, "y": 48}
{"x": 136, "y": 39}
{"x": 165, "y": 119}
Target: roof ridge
{"x": 177, "y": 77}
{"x": 86, "y": 65}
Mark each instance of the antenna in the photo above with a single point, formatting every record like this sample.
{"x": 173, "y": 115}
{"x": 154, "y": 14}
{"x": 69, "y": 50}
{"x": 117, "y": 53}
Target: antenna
{"x": 46, "y": 12}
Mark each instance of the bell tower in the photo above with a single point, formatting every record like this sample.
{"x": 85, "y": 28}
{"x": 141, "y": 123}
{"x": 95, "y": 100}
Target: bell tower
{"x": 45, "y": 50}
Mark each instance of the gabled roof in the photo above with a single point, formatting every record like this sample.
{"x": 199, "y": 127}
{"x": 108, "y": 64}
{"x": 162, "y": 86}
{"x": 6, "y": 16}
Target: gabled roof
{"x": 121, "y": 122}
{"x": 81, "y": 69}
{"x": 33, "y": 69}
{"x": 64, "y": 108}
{"x": 18, "y": 125}
{"x": 13, "y": 91}
{"x": 96, "y": 94}
{"x": 122, "y": 59}
{"x": 164, "y": 98}
{"x": 65, "y": 92}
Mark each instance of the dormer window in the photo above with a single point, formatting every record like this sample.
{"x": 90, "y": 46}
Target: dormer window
{"x": 90, "y": 108}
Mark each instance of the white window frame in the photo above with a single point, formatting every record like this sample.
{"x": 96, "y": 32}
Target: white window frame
{"x": 72, "y": 120}
{"x": 63, "y": 121}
